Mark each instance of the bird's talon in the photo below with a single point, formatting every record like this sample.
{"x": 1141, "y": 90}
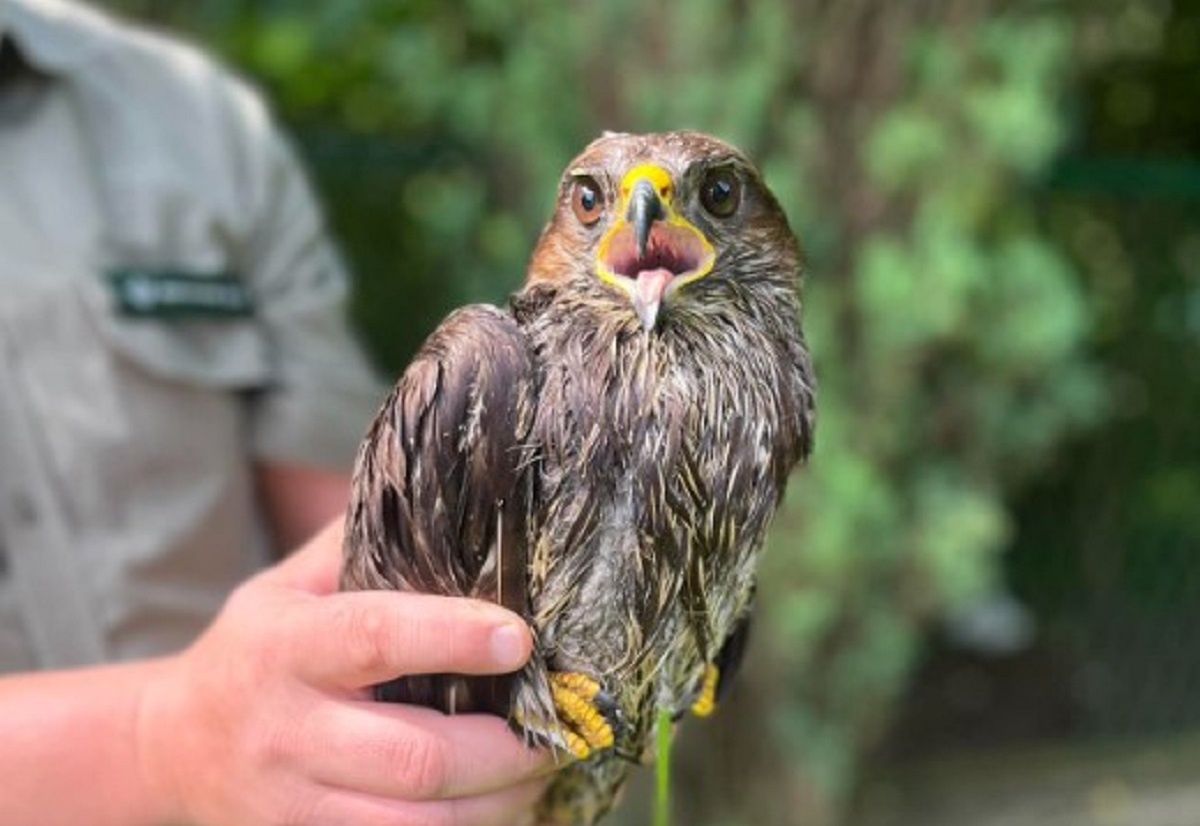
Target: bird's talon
{"x": 607, "y": 706}
{"x": 576, "y": 745}
{"x": 587, "y": 714}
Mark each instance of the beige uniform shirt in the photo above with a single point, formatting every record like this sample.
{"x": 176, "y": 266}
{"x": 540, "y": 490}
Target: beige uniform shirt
{"x": 170, "y": 313}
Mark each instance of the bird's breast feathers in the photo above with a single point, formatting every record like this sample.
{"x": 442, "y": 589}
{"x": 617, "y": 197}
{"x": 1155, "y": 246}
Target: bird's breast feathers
{"x": 661, "y": 457}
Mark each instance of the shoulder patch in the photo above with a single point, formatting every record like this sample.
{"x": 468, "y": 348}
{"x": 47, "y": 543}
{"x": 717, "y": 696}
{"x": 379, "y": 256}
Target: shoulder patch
{"x": 176, "y": 294}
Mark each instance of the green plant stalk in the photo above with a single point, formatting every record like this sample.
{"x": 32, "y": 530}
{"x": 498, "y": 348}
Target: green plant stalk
{"x": 662, "y": 766}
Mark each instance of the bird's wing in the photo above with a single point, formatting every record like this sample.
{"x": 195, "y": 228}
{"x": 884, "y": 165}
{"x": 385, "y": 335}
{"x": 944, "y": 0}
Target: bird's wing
{"x": 440, "y": 497}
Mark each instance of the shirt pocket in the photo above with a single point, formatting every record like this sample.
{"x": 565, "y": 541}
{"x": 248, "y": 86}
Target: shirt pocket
{"x": 144, "y": 427}
{"x": 182, "y": 387}
{"x": 136, "y": 415}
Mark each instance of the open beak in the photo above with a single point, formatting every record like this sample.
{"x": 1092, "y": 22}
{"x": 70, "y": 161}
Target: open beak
{"x": 651, "y": 250}
{"x": 645, "y": 208}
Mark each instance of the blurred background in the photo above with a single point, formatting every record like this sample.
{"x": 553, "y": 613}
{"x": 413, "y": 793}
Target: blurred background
{"x": 982, "y": 601}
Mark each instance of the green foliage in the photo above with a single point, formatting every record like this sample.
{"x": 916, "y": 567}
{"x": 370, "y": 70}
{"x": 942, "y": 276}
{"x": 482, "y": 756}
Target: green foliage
{"x": 947, "y": 327}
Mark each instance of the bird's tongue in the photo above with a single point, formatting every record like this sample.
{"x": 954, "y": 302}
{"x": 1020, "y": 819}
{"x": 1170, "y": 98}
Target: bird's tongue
{"x": 648, "y": 292}
{"x": 651, "y": 284}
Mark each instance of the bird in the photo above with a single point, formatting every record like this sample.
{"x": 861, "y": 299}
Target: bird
{"x": 603, "y": 455}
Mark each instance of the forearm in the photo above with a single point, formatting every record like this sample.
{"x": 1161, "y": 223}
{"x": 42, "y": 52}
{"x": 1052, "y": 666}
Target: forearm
{"x": 300, "y": 500}
{"x": 263, "y": 719}
{"x": 69, "y": 748}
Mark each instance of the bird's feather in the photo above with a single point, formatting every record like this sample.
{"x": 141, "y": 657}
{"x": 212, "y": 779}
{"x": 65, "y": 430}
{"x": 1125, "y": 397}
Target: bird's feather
{"x": 441, "y": 499}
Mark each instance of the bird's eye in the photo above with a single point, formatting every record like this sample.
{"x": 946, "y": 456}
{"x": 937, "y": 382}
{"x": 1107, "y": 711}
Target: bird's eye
{"x": 721, "y": 192}
{"x": 587, "y": 201}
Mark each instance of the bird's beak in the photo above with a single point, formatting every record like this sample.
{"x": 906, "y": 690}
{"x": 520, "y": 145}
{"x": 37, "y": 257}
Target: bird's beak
{"x": 651, "y": 250}
{"x": 644, "y": 209}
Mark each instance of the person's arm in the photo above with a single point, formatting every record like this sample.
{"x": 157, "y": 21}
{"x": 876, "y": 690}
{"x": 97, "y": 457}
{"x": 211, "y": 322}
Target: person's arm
{"x": 265, "y": 719}
{"x": 318, "y": 400}
{"x": 70, "y": 750}
{"x": 299, "y": 500}
{"x": 308, "y": 417}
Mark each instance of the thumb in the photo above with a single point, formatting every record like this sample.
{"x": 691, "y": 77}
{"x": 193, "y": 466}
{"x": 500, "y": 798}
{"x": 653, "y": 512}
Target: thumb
{"x": 316, "y": 565}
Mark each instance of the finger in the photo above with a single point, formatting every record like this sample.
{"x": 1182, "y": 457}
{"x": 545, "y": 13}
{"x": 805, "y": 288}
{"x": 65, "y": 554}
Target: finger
{"x": 506, "y": 807}
{"x": 316, "y": 565}
{"x": 356, "y": 639}
{"x": 501, "y": 808}
{"x": 414, "y": 753}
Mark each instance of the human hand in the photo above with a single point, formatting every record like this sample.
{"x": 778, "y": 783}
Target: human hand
{"x": 266, "y": 719}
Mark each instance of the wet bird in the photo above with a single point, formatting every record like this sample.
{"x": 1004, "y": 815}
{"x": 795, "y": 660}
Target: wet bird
{"x": 602, "y": 456}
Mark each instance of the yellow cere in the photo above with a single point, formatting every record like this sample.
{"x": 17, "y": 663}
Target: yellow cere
{"x": 658, "y": 177}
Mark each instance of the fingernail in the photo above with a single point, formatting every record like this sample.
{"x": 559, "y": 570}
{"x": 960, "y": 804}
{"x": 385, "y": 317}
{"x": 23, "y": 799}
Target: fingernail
{"x": 508, "y": 647}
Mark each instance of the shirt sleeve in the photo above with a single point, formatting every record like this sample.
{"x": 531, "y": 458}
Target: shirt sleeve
{"x": 322, "y": 392}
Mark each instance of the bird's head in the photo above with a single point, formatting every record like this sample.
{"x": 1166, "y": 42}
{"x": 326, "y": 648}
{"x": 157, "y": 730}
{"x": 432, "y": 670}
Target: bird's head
{"x": 665, "y": 220}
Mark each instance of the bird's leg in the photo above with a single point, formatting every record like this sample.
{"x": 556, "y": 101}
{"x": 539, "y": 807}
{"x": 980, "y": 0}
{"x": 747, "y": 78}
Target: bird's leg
{"x": 568, "y": 711}
{"x": 706, "y": 701}
{"x": 587, "y": 715}
{"x": 713, "y": 683}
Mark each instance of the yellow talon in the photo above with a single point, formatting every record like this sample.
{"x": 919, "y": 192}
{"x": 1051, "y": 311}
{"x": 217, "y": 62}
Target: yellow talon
{"x": 580, "y": 684}
{"x": 576, "y": 744}
{"x": 706, "y": 703}
{"x": 573, "y": 695}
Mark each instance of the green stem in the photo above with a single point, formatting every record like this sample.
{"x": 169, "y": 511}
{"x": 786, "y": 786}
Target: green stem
{"x": 662, "y": 800}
